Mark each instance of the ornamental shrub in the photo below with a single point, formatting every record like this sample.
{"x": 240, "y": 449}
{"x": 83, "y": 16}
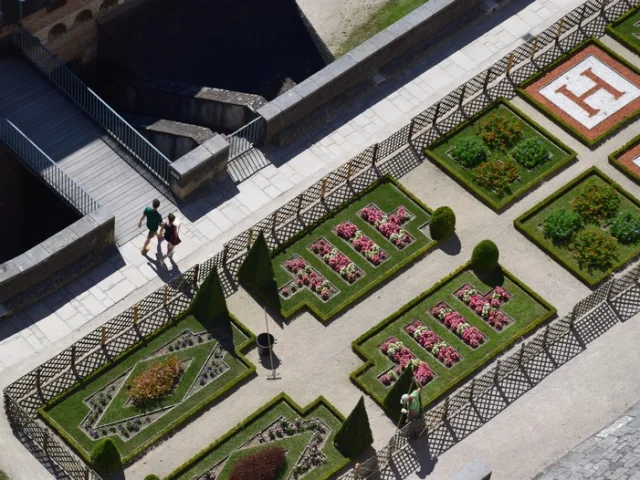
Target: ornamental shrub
{"x": 404, "y": 384}
{"x": 354, "y": 436}
{"x": 594, "y": 249}
{"x": 485, "y": 256}
{"x": 105, "y": 457}
{"x": 468, "y": 151}
{"x": 156, "y": 381}
{"x": 443, "y": 223}
{"x": 152, "y": 477}
{"x": 496, "y": 176}
{"x": 626, "y": 228}
{"x": 596, "y": 203}
{"x": 560, "y": 225}
{"x": 209, "y": 302}
{"x": 530, "y": 153}
{"x": 500, "y": 130}
{"x": 256, "y": 273}
{"x": 266, "y": 464}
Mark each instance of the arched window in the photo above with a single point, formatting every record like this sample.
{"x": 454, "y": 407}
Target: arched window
{"x": 107, "y": 4}
{"x": 83, "y": 16}
{"x": 57, "y": 30}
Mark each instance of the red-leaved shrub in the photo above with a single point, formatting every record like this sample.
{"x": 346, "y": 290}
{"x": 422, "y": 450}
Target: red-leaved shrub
{"x": 265, "y": 464}
{"x": 156, "y": 381}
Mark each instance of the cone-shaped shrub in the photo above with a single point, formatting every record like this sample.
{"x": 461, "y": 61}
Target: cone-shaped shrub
{"x": 105, "y": 457}
{"x": 485, "y": 256}
{"x": 209, "y": 303}
{"x": 265, "y": 464}
{"x": 256, "y": 273}
{"x": 443, "y": 223}
{"x": 403, "y": 385}
{"x": 355, "y": 434}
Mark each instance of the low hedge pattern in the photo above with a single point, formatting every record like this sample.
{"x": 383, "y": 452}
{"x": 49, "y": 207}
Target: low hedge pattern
{"x": 615, "y": 156}
{"x": 624, "y": 27}
{"x": 525, "y": 308}
{"x": 232, "y": 443}
{"x": 531, "y": 225}
{"x": 480, "y": 180}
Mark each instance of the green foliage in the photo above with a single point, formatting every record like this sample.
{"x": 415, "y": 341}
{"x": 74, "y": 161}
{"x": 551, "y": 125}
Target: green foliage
{"x": 209, "y": 302}
{"x": 500, "y": 131}
{"x": 596, "y": 203}
{"x": 469, "y": 151}
{"x": 355, "y": 434}
{"x": 256, "y": 273}
{"x": 530, "y": 153}
{"x": 267, "y": 463}
{"x": 626, "y": 228}
{"x": 404, "y": 384}
{"x": 442, "y": 223}
{"x": 105, "y": 457}
{"x": 152, "y": 477}
{"x": 496, "y": 176}
{"x": 3, "y": 476}
{"x": 594, "y": 249}
{"x": 560, "y": 225}
{"x": 485, "y": 256}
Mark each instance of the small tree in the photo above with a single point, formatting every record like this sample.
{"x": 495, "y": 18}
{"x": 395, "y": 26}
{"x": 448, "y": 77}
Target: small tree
{"x": 485, "y": 256}
{"x": 105, "y": 457}
{"x": 256, "y": 273}
{"x": 443, "y": 223}
{"x": 209, "y": 302}
{"x": 355, "y": 434}
{"x": 403, "y": 385}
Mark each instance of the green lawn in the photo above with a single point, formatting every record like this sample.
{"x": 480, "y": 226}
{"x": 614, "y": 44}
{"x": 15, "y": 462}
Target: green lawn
{"x": 625, "y": 27}
{"x": 530, "y": 224}
{"x": 525, "y": 309}
{"x": 387, "y": 15}
{"x": 67, "y": 413}
{"x": 387, "y": 196}
{"x": 222, "y": 454}
{"x": 614, "y": 159}
{"x": 527, "y": 179}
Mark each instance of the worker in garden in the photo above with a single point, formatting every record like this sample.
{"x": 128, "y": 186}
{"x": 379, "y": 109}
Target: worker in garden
{"x": 411, "y": 408}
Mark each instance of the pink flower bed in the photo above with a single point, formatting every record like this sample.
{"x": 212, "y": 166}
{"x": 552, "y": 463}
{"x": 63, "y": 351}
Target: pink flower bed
{"x": 403, "y": 357}
{"x": 338, "y": 262}
{"x": 390, "y": 226}
{"x": 488, "y": 308}
{"x": 457, "y": 324}
{"x": 431, "y": 342}
{"x": 305, "y": 276}
{"x": 363, "y": 244}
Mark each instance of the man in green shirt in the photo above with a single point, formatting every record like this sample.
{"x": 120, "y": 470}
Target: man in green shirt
{"x": 411, "y": 404}
{"x": 154, "y": 219}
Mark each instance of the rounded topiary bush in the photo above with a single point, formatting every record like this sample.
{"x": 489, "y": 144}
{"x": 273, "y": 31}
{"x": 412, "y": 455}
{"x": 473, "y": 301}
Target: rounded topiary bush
{"x": 443, "y": 223}
{"x": 265, "y": 464}
{"x": 152, "y": 477}
{"x": 105, "y": 457}
{"x": 468, "y": 151}
{"x": 626, "y": 228}
{"x": 485, "y": 256}
{"x": 560, "y": 225}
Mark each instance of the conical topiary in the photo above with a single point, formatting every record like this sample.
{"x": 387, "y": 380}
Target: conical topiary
{"x": 355, "y": 434}
{"x": 442, "y": 223}
{"x": 485, "y": 256}
{"x": 209, "y": 304}
{"x": 105, "y": 457}
{"x": 403, "y": 385}
{"x": 256, "y": 273}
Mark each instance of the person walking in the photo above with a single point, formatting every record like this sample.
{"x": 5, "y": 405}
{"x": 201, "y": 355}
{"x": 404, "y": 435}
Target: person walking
{"x": 170, "y": 230}
{"x": 411, "y": 404}
{"x": 154, "y": 219}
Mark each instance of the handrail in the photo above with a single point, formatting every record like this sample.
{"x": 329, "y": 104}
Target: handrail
{"x": 90, "y": 102}
{"x": 41, "y": 164}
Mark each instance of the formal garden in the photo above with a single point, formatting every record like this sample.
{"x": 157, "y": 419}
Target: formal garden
{"x": 626, "y": 29}
{"x": 499, "y": 154}
{"x": 591, "y": 226}
{"x": 627, "y": 159}
{"x": 450, "y": 331}
{"x": 158, "y": 384}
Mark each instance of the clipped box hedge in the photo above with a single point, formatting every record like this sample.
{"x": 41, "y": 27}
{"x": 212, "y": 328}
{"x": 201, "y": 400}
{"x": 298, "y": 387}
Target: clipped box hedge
{"x": 622, "y": 29}
{"x": 615, "y": 156}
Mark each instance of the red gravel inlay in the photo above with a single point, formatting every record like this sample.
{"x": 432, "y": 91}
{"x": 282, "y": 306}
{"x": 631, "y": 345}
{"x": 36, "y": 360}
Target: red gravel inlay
{"x": 604, "y": 126}
{"x": 627, "y": 159}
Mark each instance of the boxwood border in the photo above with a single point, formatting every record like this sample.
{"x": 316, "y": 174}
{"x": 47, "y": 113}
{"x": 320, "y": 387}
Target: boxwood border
{"x": 476, "y": 191}
{"x": 611, "y": 30}
{"x": 518, "y": 223}
{"x": 252, "y": 418}
{"x": 360, "y": 294}
{"x": 591, "y": 143}
{"x": 462, "y": 378}
{"x": 614, "y": 159}
{"x": 170, "y": 429}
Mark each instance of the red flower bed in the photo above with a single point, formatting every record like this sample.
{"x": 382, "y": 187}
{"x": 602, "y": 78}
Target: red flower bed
{"x": 338, "y": 261}
{"x": 390, "y": 226}
{"x": 457, "y": 324}
{"x": 431, "y": 342}
{"x": 305, "y": 276}
{"x": 363, "y": 244}
{"x": 487, "y": 307}
{"x": 403, "y": 357}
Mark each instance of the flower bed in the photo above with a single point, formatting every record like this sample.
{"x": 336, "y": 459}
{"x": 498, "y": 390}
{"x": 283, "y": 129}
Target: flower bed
{"x": 486, "y": 306}
{"x": 306, "y": 435}
{"x": 444, "y": 326}
{"x": 306, "y": 277}
{"x": 339, "y": 262}
{"x": 389, "y": 225}
{"x": 499, "y": 154}
{"x": 587, "y": 226}
{"x": 361, "y": 243}
{"x": 403, "y": 357}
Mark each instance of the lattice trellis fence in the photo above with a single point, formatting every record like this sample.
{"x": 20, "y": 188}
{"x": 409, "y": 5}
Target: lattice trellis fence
{"x": 621, "y": 297}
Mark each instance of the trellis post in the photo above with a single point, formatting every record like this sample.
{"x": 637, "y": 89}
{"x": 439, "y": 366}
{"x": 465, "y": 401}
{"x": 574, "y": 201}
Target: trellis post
{"x": 521, "y": 353}
{"x": 410, "y": 130}
{"x": 445, "y": 409}
{"x": 275, "y": 221}
{"x": 73, "y": 356}
{"x": 437, "y": 112}
{"x": 376, "y": 147}
{"x": 323, "y": 188}
{"x": 462, "y": 94}
{"x": 103, "y": 336}
{"x": 572, "y": 318}
{"x": 249, "y": 239}
{"x": 135, "y": 314}
{"x": 584, "y": 11}
{"x": 225, "y": 254}
{"x": 545, "y": 335}
{"x": 487, "y": 78}
{"x": 349, "y": 168}
{"x": 496, "y": 375}
{"x": 472, "y": 387}
{"x": 166, "y": 295}
{"x": 196, "y": 275}
{"x": 510, "y": 63}
{"x": 559, "y": 30}
{"x": 300, "y": 203}
{"x": 535, "y": 47}
{"x": 392, "y": 445}
{"x": 604, "y": 5}
{"x": 609, "y": 290}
